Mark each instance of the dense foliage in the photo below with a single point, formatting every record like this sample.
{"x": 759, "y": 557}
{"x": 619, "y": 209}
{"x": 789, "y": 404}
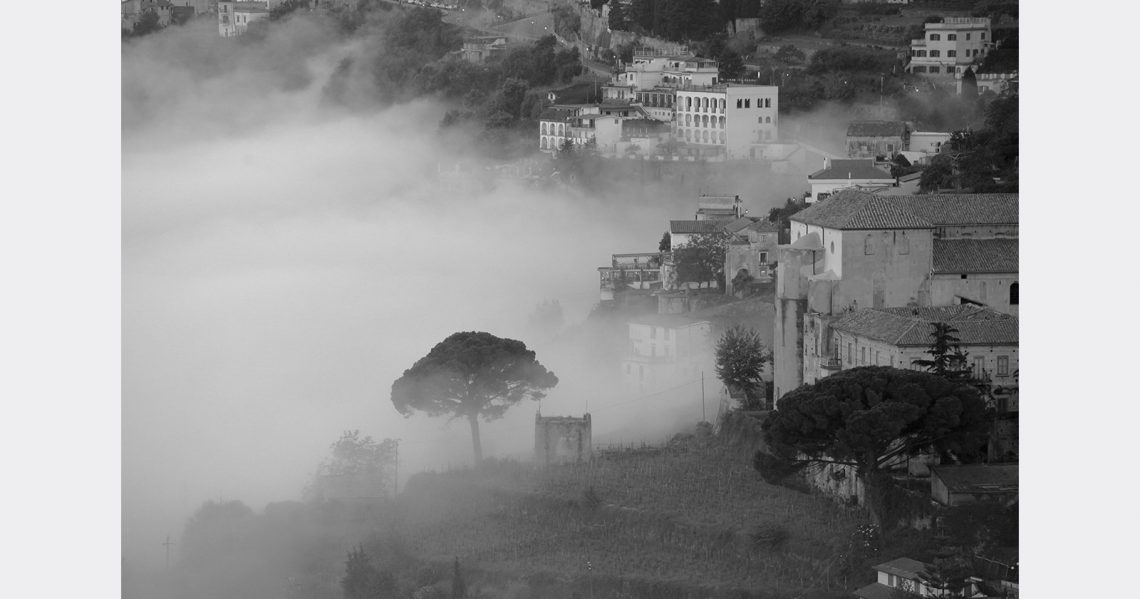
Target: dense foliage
{"x": 677, "y": 20}
{"x": 740, "y": 360}
{"x": 701, "y": 260}
{"x": 777, "y": 16}
{"x": 866, "y": 417}
{"x": 469, "y": 375}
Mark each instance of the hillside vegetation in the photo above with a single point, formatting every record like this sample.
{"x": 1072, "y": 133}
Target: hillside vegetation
{"x": 687, "y": 519}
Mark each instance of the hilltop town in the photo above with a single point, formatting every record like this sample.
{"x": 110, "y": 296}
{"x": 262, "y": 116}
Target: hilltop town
{"x": 838, "y": 299}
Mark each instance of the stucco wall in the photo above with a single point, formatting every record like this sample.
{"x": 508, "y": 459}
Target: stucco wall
{"x": 989, "y": 289}
{"x": 891, "y": 275}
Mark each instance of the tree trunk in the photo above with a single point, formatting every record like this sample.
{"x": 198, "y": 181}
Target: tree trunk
{"x": 478, "y": 447}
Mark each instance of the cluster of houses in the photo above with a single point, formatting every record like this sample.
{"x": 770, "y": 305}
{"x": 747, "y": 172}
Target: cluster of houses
{"x": 167, "y": 11}
{"x": 679, "y": 99}
{"x": 865, "y": 278}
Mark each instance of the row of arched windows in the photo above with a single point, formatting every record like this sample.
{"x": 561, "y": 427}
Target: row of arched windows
{"x": 555, "y": 129}
{"x": 702, "y": 120}
{"x": 703, "y": 104}
{"x": 703, "y": 136}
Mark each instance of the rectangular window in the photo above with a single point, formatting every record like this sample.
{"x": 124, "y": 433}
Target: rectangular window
{"x": 983, "y": 35}
{"x": 935, "y": 53}
{"x": 763, "y": 257}
{"x": 768, "y": 103}
{"x": 951, "y": 53}
{"x": 1003, "y": 366}
{"x": 849, "y": 354}
{"x": 967, "y": 37}
{"x": 934, "y": 69}
{"x": 739, "y": 103}
{"x": 934, "y": 37}
{"x": 952, "y": 37}
{"x": 876, "y": 357}
{"x": 862, "y": 356}
{"x": 748, "y": 102}
{"x": 892, "y": 361}
{"x": 918, "y": 70}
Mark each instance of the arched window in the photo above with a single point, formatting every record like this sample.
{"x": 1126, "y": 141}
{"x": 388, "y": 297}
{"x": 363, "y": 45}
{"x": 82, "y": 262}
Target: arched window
{"x": 688, "y": 120}
{"x": 705, "y": 136}
{"x": 688, "y": 103}
{"x": 722, "y": 136}
{"x": 869, "y": 245}
{"x": 722, "y": 108}
{"x": 705, "y": 120}
{"x": 544, "y": 128}
{"x": 767, "y": 119}
{"x": 1013, "y": 290}
{"x": 544, "y": 146}
{"x": 722, "y": 122}
{"x": 903, "y": 243}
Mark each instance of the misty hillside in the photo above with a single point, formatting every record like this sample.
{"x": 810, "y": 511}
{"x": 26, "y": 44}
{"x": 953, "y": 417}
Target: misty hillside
{"x": 688, "y": 519}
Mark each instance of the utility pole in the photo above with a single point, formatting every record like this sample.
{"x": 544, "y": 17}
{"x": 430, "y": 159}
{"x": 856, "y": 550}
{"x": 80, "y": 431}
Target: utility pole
{"x": 167, "y": 544}
{"x": 396, "y": 480}
{"x": 703, "y": 418}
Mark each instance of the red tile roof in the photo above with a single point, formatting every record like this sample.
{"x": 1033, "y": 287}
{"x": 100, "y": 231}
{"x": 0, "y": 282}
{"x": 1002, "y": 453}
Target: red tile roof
{"x": 695, "y": 226}
{"x": 854, "y": 209}
{"x": 965, "y": 256}
{"x": 876, "y": 129}
{"x": 852, "y": 169}
{"x": 903, "y": 566}
{"x": 912, "y": 327}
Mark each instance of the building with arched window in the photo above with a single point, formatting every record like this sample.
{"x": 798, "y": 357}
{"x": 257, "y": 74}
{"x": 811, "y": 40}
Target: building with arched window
{"x": 857, "y": 250}
{"x": 734, "y": 118}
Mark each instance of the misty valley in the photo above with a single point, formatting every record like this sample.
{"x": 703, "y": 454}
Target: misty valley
{"x": 573, "y": 299}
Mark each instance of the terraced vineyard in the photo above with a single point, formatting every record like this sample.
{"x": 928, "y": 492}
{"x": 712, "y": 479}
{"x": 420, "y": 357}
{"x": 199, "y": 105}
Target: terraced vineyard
{"x": 684, "y": 520}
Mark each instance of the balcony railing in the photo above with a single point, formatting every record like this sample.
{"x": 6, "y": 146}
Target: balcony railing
{"x": 831, "y": 364}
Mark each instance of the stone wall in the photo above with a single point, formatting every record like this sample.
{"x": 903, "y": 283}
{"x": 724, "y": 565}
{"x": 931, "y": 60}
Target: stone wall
{"x": 562, "y": 440}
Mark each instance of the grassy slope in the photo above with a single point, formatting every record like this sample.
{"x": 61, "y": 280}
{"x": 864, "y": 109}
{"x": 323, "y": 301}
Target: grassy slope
{"x": 679, "y": 516}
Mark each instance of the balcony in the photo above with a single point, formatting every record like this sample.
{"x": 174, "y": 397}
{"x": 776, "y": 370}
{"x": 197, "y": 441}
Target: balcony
{"x": 831, "y": 364}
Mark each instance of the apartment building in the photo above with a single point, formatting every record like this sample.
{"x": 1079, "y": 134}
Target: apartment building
{"x": 735, "y": 119}
{"x": 947, "y": 48}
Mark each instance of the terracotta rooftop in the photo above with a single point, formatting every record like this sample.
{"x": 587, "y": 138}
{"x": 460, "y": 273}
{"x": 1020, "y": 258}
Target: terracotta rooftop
{"x": 964, "y": 256}
{"x": 903, "y": 566}
{"x": 876, "y": 129}
{"x": 695, "y": 226}
{"x": 902, "y": 327}
{"x": 851, "y": 209}
{"x": 851, "y": 169}
{"x": 855, "y": 209}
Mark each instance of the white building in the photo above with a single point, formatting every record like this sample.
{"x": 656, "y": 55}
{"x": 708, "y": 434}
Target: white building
{"x": 947, "y": 48}
{"x": 600, "y": 125}
{"x": 667, "y": 350}
{"x": 734, "y": 118}
{"x": 847, "y": 174}
{"x": 928, "y": 142}
{"x": 897, "y": 337}
{"x": 234, "y": 18}
{"x": 648, "y": 71}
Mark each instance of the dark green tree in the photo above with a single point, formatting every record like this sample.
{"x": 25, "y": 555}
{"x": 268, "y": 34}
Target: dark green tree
{"x": 363, "y": 580}
{"x": 939, "y": 174}
{"x": 666, "y": 242}
{"x": 969, "y": 83}
{"x": 947, "y": 358}
{"x": 740, "y": 360}
{"x": 352, "y": 454}
{"x": 469, "y": 375}
{"x": 702, "y": 259}
{"x": 147, "y": 24}
{"x": 869, "y": 416}
{"x": 731, "y": 65}
{"x": 619, "y": 20}
{"x": 285, "y": 8}
{"x": 216, "y": 530}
